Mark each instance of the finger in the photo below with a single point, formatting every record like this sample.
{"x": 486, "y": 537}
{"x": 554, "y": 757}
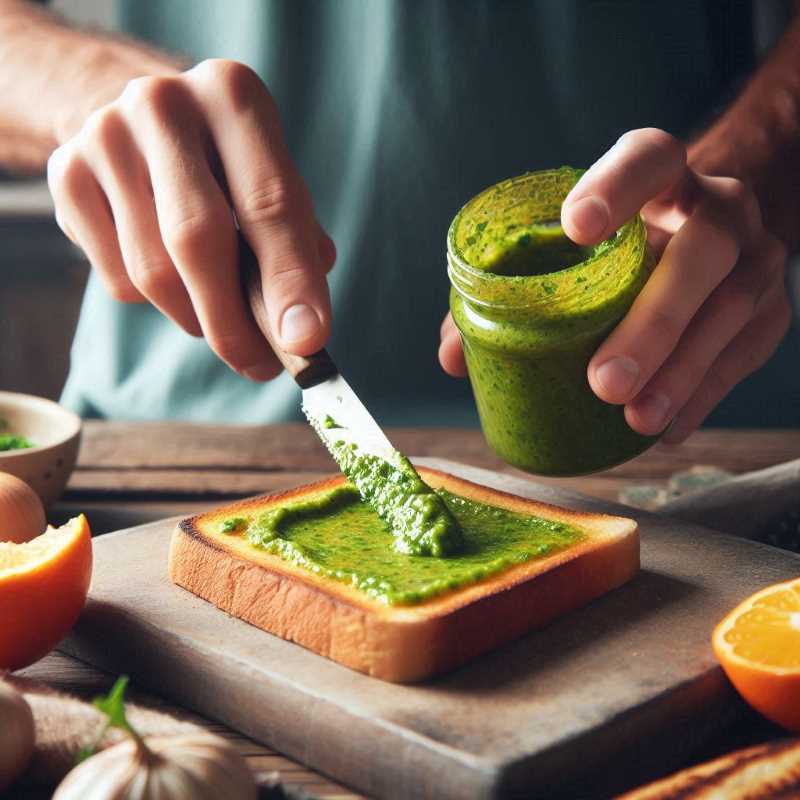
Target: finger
{"x": 83, "y": 213}
{"x": 658, "y": 239}
{"x": 694, "y": 262}
{"x": 196, "y": 223}
{"x": 639, "y": 167}
{"x": 746, "y": 353}
{"x": 728, "y": 310}
{"x": 736, "y": 206}
{"x": 271, "y": 202}
{"x": 447, "y": 326}
{"x": 451, "y": 349}
{"x": 108, "y": 146}
{"x": 451, "y": 354}
{"x": 326, "y": 249}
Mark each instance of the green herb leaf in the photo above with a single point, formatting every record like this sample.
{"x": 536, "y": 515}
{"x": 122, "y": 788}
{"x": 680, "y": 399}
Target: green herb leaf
{"x": 234, "y": 524}
{"x": 113, "y": 706}
{"x": 10, "y": 442}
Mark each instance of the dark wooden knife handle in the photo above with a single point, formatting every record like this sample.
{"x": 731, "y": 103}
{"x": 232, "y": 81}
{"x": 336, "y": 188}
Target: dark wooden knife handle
{"x": 307, "y": 371}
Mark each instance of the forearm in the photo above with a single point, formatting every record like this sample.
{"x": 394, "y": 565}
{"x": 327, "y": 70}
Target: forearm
{"x": 53, "y": 76}
{"x": 758, "y": 139}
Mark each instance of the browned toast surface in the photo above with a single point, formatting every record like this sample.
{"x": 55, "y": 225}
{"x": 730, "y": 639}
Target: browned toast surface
{"x": 763, "y": 772}
{"x": 400, "y": 643}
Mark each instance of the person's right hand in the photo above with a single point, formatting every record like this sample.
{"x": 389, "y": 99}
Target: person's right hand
{"x": 148, "y": 186}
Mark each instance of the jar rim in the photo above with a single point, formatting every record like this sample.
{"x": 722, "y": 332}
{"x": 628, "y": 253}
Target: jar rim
{"x": 464, "y": 275}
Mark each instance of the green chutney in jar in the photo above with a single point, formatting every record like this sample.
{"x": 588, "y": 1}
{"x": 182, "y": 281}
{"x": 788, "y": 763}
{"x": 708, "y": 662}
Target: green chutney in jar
{"x": 532, "y": 308}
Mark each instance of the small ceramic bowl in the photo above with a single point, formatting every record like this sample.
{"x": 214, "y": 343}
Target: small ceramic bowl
{"x": 55, "y": 433}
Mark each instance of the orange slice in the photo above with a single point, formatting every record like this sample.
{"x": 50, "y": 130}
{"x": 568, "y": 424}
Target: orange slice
{"x": 43, "y": 586}
{"x": 758, "y": 645}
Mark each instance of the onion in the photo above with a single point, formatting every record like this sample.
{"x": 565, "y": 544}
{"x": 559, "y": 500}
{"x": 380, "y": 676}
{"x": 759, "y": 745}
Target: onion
{"x": 191, "y": 767}
{"x": 21, "y": 511}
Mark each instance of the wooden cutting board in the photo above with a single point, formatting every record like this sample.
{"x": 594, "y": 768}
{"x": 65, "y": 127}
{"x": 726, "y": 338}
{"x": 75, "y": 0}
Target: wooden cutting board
{"x": 607, "y": 691}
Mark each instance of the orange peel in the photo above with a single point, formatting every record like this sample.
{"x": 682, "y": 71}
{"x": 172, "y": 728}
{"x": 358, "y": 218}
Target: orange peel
{"x": 43, "y": 588}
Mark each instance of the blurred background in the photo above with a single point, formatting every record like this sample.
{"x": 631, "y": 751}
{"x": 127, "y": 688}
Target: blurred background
{"x": 43, "y": 277}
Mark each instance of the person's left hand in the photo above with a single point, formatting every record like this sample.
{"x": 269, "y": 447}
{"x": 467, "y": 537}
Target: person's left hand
{"x": 715, "y": 307}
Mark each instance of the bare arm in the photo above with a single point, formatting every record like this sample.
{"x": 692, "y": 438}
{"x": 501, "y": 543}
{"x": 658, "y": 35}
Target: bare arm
{"x": 147, "y": 161}
{"x": 758, "y": 139}
{"x": 53, "y": 76}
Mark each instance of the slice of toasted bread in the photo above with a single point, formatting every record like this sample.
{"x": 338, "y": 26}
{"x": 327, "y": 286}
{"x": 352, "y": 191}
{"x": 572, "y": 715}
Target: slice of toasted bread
{"x": 764, "y": 772}
{"x": 410, "y": 642}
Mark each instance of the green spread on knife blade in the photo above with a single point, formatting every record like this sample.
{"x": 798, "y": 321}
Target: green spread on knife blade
{"x": 419, "y": 519}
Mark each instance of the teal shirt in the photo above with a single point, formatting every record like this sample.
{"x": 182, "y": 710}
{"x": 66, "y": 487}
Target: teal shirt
{"x": 396, "y": 112}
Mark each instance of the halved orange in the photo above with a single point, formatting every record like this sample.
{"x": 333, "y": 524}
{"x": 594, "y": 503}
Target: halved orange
{"x": 758, "y": 645}
{"x": 43, "y": 587}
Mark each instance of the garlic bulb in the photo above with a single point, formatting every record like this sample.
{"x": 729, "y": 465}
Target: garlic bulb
{"x": 191, "y": 767}
{"x": 21, "y": 511}
{"x": 16, "y": 735}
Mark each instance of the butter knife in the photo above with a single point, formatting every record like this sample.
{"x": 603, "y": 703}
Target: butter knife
{"x": 420, "y": 520}
{"x": 326, "y": 394}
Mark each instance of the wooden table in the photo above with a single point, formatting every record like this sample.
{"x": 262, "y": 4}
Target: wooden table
{"x": 129, "y": 473}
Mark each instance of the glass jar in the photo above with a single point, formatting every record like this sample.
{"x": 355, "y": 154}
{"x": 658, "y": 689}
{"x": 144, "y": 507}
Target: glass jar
{"x": 532, "y": 308}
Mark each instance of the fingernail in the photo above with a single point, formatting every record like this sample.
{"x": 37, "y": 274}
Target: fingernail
{"x": 652, "y": 410}
{"x": 299, "y": 323}
{"x": 590, "y": 216}
{"x": 617, "y": 377}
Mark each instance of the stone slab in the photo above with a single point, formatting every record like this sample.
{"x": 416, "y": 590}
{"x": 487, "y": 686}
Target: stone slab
{"x": 598, "y": 695}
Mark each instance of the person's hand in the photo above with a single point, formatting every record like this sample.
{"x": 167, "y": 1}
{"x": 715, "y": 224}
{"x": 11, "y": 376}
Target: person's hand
{"x": 715, "y": 307}
{"x": 148, "y": 187}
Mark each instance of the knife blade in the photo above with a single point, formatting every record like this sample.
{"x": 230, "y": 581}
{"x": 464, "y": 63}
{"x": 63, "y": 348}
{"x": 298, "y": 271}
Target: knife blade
{"x": 332, "y": 407}
{"x": 338, "y": 416}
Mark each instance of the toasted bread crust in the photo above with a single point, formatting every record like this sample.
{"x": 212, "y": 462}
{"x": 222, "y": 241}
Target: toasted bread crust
{"x": 756, "y": 773}
{"x": 400, "y": 643}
